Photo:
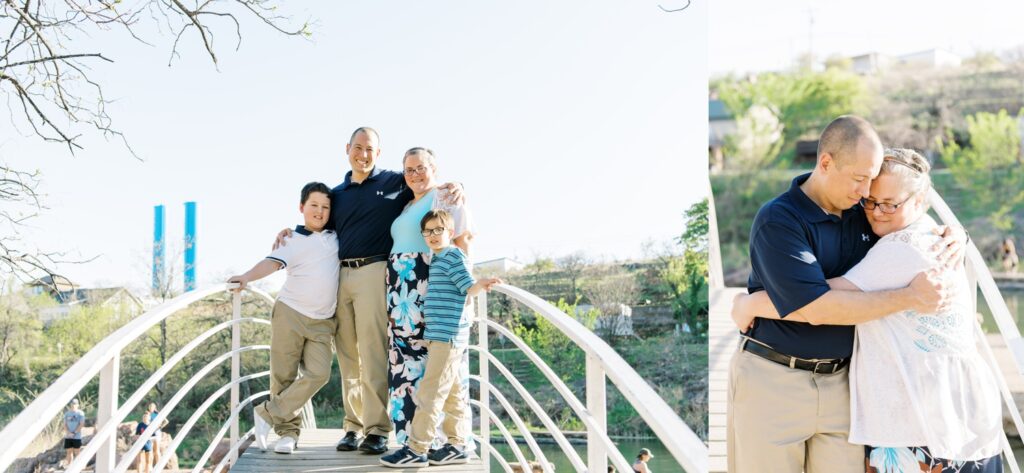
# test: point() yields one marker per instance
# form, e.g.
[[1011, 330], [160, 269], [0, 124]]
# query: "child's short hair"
[[441, 215], [314, 187]]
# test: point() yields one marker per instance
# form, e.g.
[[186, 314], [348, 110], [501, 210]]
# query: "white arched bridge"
[[316, 452], [723, 336]]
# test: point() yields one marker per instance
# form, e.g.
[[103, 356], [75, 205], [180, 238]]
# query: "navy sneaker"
[[404, 458], [448, 455]]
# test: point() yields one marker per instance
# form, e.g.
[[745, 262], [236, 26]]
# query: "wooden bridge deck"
[[316, 453], [722, 338]]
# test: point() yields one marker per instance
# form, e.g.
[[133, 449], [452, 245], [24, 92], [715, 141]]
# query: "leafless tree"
[[610, 286], [573, 266], [45, 81]]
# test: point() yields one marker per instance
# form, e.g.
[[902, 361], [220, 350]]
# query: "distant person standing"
[[1008, 255], [151, 414], [640, 466], [145, 458], [74, 420]]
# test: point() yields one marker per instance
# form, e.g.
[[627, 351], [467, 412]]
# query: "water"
[[663, 462], [1014, 301]]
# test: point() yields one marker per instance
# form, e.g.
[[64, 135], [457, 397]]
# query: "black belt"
[[357, 262], [827, 366]]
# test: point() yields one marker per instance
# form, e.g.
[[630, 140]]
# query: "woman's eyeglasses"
[[886, 208], [421, 170]]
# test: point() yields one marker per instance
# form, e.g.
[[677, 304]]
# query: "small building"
[[871, 63], [69, 295], [60, 288], [619, 325], [498, 266], [806, 153], [874, 63], [931, 58]]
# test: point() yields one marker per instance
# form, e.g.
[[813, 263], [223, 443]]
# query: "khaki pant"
[[362, 344], [440, 390], [295, 339], [783, 420]]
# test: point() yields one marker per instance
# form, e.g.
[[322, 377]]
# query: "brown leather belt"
[[826, 366], [357, 262]]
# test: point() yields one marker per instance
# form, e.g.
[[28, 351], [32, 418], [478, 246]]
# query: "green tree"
[[556, 349], [695, 236], [990, 166], [686, 276], [757, 140], [20, 329], [803, 101]]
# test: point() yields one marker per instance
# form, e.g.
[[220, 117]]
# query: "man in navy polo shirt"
[[788, 391], [363, 207]]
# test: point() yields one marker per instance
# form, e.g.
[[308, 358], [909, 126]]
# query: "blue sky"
[[770, 35], [573, 125]]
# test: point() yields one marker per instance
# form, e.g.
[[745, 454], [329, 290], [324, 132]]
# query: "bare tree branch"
[[46, 82], [54, 58]]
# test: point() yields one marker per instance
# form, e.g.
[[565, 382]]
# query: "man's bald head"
[[844, 136], [369, 132]]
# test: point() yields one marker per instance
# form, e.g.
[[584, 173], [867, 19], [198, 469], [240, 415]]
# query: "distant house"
[[498, 266], [68, 295], [59, 288], [931, 58], [873, 63]]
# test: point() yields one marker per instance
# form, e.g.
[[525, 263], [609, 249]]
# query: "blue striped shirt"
[[446, 297]]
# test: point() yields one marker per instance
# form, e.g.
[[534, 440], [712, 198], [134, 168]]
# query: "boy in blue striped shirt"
[[446, 334]]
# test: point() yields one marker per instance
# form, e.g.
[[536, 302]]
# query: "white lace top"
[[918, 379]]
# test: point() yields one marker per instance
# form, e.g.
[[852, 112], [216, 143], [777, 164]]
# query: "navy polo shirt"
[[361, 213], [795, 246]]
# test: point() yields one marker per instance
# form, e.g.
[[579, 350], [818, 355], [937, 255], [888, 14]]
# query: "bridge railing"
[[104, 360], [981, 278], [602, 364]]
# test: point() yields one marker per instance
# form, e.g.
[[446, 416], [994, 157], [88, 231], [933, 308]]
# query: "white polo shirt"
[[311, 261]]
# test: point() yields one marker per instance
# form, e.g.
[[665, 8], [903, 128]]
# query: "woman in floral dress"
[[408, 268], [921, 396]]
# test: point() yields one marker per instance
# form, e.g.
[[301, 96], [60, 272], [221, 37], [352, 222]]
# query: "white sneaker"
[[262, 430], [285, 445]]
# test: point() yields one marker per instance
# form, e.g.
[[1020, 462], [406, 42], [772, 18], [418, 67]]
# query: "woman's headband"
[[901, 163]]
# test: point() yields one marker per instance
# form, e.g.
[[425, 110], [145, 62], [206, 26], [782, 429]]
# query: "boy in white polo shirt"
[[303, 323]]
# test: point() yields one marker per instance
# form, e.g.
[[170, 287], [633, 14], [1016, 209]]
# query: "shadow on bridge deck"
[[316, 454]]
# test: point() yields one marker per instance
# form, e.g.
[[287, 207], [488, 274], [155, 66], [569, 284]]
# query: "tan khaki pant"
[[783, 420], [295, 339], [440, 390], [362, 345]]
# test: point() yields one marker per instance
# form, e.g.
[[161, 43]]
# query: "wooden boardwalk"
[[722, 338], [316, 454]]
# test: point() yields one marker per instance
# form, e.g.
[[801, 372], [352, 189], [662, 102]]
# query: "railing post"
[[110, 377], [597, 455], [308, 416], [236, 342], [485, 392]]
